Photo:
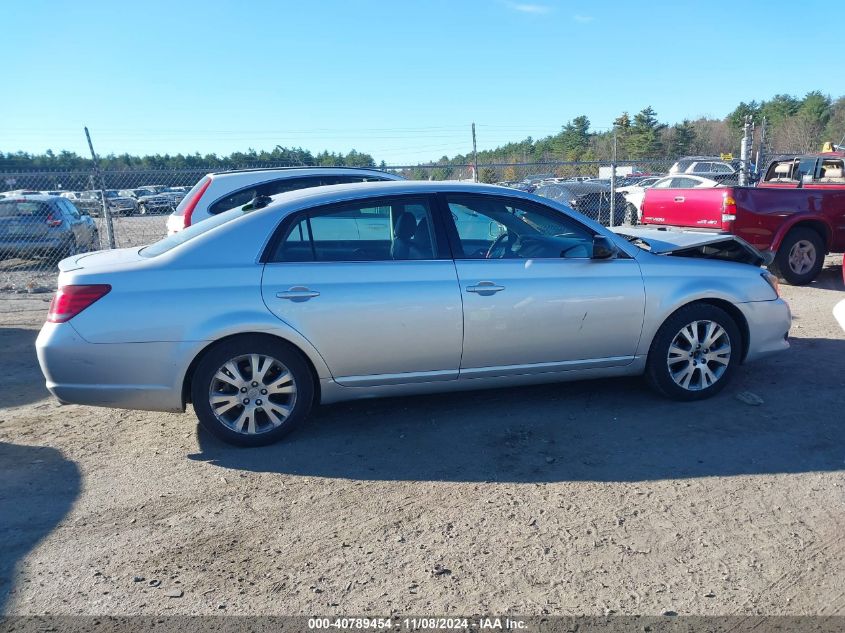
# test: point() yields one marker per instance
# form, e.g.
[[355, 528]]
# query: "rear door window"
[[383, 230], [71, 210]]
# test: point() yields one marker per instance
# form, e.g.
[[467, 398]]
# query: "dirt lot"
[[584, 498]]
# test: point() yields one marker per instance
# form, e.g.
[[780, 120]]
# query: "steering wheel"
[[571, 248], [497, 243]]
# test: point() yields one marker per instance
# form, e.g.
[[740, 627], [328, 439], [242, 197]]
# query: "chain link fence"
[[46, 216]]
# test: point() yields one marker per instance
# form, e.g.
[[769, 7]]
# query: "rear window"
[[23, 209], [172, 241], [180, 209]]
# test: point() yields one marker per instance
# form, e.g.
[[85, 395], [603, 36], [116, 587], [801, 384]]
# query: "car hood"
[[718, 246]]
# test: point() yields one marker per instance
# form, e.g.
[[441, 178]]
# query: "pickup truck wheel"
[[694, 353], [800, 257]]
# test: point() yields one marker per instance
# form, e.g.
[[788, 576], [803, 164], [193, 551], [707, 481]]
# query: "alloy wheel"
[[699, 355], [802, 257], [252, 394]]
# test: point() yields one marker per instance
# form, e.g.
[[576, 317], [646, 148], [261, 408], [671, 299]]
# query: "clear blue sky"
[[399, 80]]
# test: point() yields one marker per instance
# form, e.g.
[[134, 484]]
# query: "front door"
[[534, 299]]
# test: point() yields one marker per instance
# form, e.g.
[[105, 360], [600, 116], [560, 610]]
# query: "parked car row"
[[150, 199]]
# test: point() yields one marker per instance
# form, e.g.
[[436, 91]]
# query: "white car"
[[635, 194], [221, 191]]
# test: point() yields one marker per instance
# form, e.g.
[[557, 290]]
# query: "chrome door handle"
[[485, 288], [679, 198], [298, 293]]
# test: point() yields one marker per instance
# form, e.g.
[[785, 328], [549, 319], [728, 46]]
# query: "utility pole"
[[474, 154], [99, 177], [745, 150], [613, 179]]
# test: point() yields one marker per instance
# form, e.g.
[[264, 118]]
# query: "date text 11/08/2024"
[[417, 624]]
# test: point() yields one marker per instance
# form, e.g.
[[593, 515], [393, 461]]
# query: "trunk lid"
[[100, 259]]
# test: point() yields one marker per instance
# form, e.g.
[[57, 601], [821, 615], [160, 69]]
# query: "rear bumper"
[[24, 246], [768, 327], [146, 376]]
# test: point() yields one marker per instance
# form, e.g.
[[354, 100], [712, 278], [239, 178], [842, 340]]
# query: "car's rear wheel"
[[252, 390], [694, 353], [631, 216], [142, 209], [800, 257]]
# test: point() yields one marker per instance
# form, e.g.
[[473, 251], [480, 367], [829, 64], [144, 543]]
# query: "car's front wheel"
[[252, 390], [694, 353]]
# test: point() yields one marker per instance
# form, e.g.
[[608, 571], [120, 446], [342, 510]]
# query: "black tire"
[[658, 365], [631, 215], [218, 355], [142, 209], [812, 243]]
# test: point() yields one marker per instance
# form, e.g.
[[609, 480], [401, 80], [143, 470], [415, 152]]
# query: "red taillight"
[[192, 204], [53, 221], [71, 300], [728, 210]]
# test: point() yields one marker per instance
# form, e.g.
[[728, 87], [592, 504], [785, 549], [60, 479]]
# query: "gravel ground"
[[582, 498]]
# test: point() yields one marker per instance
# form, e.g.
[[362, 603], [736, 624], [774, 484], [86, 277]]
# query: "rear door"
[[372, 286]]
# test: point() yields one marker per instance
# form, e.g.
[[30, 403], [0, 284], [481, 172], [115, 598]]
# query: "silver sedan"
[[392, 288]]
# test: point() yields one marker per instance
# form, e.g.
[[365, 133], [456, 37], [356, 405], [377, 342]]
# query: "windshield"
[[172, 241], [111, 194]]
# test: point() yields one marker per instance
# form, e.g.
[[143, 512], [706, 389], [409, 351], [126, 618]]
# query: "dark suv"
[[44, 226]]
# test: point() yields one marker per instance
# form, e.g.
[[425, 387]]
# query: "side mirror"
[[603, 248]]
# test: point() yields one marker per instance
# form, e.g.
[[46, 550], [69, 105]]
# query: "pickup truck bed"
[[799, 226]]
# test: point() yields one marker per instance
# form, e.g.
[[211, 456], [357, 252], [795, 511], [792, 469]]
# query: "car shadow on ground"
[[830, 278], [23, 382], [38, 487], [602, 430]]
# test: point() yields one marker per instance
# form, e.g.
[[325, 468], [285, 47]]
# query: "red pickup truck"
[[796, 212]]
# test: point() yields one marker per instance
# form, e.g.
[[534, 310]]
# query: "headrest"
[[783, 168], [833, 172], [406, 224]]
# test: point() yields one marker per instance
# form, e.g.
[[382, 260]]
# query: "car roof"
[[40, 197], [316, 196], [302, 170]]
